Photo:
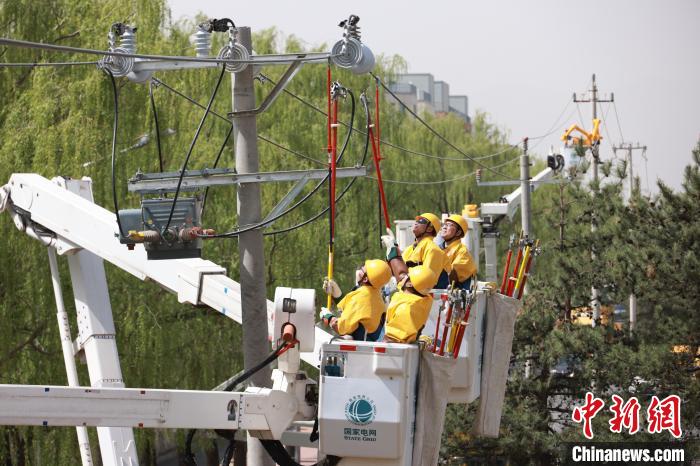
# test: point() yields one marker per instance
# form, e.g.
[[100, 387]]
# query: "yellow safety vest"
[[427, 253], [406, 315], [460, 260], [362, 306]]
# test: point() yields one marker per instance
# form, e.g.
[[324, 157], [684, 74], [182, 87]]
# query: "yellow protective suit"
[[426, 252], [460, 260], [406, 315], [362, 306]]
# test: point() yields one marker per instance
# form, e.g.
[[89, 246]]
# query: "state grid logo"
[[360, 410]]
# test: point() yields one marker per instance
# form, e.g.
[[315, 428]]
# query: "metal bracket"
[[156, 183], [279, 87], [286, 200]]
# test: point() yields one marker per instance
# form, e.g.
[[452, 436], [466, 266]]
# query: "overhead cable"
[[157, 127], [234, 233], [384, 141], [46, 64], [221, 117], [458, 178], [617, 117], [438, 135], [278, 58], [192, 144], [342, 193], [115, 126]]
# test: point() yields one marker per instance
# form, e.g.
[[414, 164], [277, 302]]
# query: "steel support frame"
[[155, 183], [262, 410], [97, 337]]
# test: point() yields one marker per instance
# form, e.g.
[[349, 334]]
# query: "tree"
[[649, 247]]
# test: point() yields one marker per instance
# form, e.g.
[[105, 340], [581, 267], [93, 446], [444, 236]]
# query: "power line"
[[438, 135], [305, 102], [291, 151], [221, 117], [46, 64], [459, 178], [278, 58], [618, 121], [552, 128]]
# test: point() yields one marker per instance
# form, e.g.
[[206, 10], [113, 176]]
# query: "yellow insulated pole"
[[521, 272]]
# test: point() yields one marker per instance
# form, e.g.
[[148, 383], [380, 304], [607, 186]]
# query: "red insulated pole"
[[506, 270]]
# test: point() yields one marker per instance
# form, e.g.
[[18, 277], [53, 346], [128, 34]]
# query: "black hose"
[[245, 375], [189, 456], [155, 119], [115, 126], [281, 456], [234, 233], [228, 454], [194, 141]]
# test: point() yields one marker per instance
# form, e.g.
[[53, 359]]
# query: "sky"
[[521, 61]]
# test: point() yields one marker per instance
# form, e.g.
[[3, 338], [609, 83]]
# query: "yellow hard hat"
[[459, 220], [378, 272], [433, 219], [422, 278]]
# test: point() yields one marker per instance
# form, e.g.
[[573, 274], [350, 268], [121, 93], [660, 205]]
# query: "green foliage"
[[58, 121], [644, 246]]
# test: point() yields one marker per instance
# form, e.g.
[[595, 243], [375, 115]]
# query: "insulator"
[[346, 53], [366, 64], [352, 31], [119, 66], [202, 43], [151, 236], [234, 51], [190, 233], [128, 40]]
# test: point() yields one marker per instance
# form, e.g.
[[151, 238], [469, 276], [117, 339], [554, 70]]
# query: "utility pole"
[[250, 243], [525, 209], [594, 99], [629, 148]]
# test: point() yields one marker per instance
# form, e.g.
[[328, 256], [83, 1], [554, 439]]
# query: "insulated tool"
[[443, 299], [463, 325], [521, 271], [333, 95], [377, 157], [506, 269], [519, 258], [535, 252]]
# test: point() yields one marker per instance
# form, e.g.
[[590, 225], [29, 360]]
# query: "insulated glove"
[[331, 287], [325, 315]]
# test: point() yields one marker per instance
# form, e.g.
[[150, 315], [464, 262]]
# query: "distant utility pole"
[[525, 209], [592, 96], [250, 243], [629, 147]]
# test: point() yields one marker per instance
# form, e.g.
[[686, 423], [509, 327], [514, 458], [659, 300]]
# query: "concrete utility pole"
[[629, 148], [594, 99], [525, 209], [250, 244]]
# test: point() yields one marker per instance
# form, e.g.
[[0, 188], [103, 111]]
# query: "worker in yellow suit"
[[409, 307], [423, 251], [461, 265], [362, 310]]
